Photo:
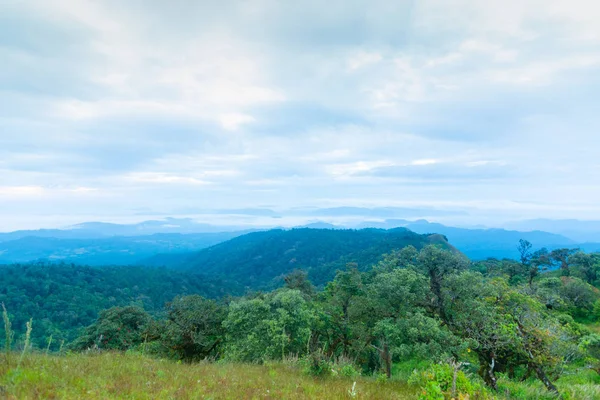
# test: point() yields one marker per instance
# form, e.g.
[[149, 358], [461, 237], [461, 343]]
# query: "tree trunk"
[[492, 381], [542, 377], [534, 365], [436, 288], [486, 371], [530, 281], [564, 266], [511, 371], [387, 359], [455, 368]]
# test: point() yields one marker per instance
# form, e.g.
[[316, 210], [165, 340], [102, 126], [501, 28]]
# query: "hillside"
[[171, 241], [261, 259], [63, 298]]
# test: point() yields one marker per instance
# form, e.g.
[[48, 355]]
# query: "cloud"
[[163, 106], [443, 173]]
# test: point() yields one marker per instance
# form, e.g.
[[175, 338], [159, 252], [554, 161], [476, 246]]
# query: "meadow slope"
[[134, 376]]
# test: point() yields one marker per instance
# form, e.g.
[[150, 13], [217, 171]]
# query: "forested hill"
[[62, 298], [261, 259]]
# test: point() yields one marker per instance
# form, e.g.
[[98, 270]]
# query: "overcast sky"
[[123, 109]]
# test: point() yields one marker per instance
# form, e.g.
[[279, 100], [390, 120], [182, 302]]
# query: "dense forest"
[[260, 260], [63, 298], [473, 328]]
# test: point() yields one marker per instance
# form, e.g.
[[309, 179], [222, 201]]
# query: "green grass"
[[133, 376]]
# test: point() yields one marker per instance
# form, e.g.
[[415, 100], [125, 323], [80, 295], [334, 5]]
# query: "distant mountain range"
[[579, 231], [97, 230], [116, 250], [485, 243], [169, 241]]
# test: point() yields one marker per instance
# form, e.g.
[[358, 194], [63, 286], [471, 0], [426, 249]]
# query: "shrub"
[[316, 365], [591, 345], [348, 371], [431, 391], [436, 383]]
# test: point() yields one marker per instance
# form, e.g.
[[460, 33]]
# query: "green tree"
[[342, 303], [562, 258], [118, 328], [586, 265], [392, 297], [539, 261], [472, 314], [298, 279], [525, 253], [193, 329], [437, 264], [268, 327]]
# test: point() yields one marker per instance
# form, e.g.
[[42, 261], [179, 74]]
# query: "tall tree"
[[193, 330], [437, 264], [524, 249], [587, 265], [561, 257]]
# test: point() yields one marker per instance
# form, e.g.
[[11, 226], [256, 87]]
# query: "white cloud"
[[164, 178], [232, 122], [21, 191], [425, 161], [264, 102]]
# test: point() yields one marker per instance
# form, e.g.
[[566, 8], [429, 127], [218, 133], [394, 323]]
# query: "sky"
[[119, 110]]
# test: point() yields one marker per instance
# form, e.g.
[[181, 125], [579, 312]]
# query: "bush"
[[432, 391], [316, 365], [436, 383], [348, 371]]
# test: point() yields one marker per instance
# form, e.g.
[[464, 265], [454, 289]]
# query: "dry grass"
[[133, 376]]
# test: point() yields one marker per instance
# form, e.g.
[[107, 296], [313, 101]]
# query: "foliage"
[[193, 329], [118, 328], [260, 260], [440, 380], [268, 327], [64, 298], [591, 345], [426, 307]]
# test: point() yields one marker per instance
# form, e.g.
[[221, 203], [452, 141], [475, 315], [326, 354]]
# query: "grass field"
[[133, 376]]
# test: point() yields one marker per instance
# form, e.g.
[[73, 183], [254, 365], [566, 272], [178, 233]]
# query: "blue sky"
[[115, 110]]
